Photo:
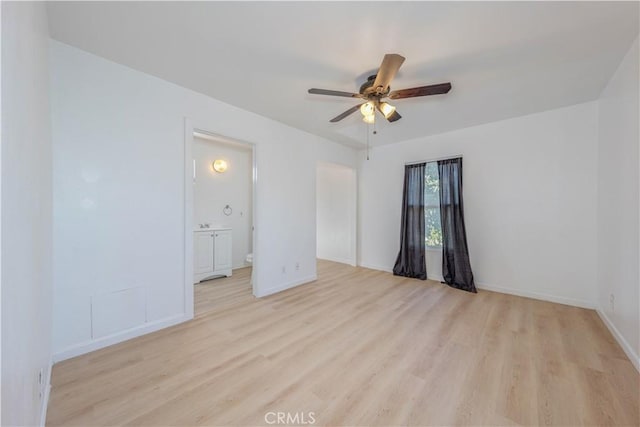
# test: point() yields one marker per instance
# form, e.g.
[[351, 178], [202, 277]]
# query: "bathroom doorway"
[[220, 206]]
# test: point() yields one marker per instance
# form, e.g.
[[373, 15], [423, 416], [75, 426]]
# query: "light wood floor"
[[357, 347]]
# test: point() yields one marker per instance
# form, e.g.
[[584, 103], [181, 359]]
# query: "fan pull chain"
[[375, 132], [368, 144]]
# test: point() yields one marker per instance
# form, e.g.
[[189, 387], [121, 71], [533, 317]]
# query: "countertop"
[[197, 230]]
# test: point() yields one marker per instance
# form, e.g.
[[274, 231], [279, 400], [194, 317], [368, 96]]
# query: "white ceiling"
[[504, 59]]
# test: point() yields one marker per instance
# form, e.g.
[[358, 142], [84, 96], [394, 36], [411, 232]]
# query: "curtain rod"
[[434, 160]]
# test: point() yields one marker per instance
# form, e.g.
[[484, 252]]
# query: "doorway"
[[336, 210], [219, 217]]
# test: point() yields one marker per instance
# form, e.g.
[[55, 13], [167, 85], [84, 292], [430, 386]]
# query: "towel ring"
[[227, 210]]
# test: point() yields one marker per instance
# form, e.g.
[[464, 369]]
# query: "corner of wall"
[[26, 214], [628, 350], [46, 395], [617, 137]]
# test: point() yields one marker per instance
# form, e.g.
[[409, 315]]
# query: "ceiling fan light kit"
[[377, 88], [369, 119], [367, 108], [387, 109], [368, 111]]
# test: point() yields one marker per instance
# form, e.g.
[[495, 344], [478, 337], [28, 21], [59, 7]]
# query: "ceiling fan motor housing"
[[371, 92]]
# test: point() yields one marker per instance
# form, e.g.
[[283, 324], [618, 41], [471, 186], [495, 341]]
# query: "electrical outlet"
[[612, 301], [284, 269], [297, 266]]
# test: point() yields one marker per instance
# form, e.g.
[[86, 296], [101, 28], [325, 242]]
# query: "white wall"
[[618, 204], [336, 203], [119, 171], [26, 213], [212, 191], [530, 202]]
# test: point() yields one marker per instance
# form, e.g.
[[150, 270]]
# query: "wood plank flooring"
[[357, 347]]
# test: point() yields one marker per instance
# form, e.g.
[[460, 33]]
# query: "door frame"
[[352, 210], [189, 174]]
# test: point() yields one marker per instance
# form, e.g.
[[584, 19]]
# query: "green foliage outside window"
[[433, 230]]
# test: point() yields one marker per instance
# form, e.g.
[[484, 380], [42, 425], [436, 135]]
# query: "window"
[[433, 231]]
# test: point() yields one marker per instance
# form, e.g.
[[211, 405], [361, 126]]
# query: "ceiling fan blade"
[[334, 93], [438, 89], [388, 69], [345, 114]]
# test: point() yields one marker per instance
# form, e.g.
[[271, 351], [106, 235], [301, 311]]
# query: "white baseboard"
[[631, 354], [285, 286], [517, 292], [92, 345], [47, 393], [387, 270], [376, 267], [537, 295], [340, 260]]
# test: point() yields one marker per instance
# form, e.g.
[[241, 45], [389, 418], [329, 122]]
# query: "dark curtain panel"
[[456, 268], [410, 261]]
